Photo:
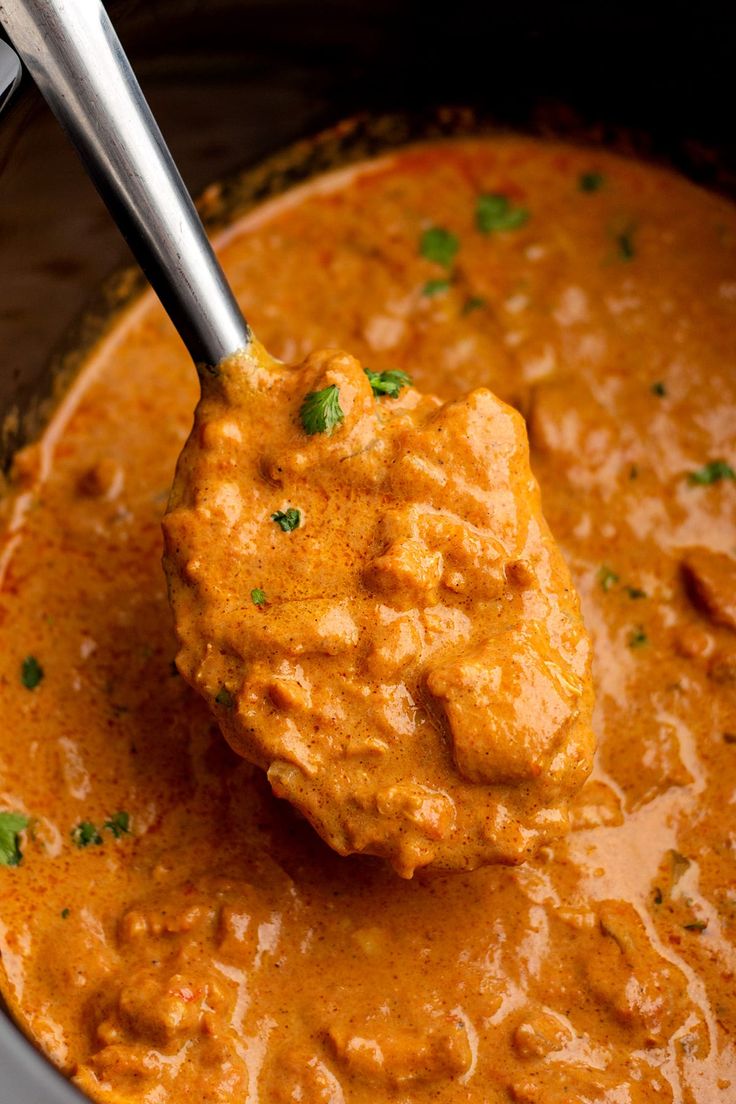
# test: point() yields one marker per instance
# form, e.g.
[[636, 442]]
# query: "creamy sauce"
[[210, 946], [412, 668]]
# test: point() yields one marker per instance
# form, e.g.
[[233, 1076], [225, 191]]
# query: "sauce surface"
[[172, 930]]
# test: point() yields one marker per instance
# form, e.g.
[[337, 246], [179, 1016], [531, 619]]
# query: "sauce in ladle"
[[368, 597]]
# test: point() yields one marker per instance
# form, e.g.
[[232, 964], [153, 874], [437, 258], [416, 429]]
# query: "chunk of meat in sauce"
[[408, 662], [710, 579]]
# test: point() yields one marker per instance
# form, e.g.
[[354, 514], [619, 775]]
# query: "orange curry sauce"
[[172, 932]]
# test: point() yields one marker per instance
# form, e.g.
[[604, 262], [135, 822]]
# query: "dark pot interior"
[[231, 82]]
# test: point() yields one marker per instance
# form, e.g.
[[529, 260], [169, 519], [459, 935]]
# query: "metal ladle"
[[75, 57], [10, 72]]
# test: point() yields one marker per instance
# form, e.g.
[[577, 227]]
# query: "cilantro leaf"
[[635, 592], [258, 597], [388, 383], [473, 303], [11, 825], [712, 472], [31, 672], [65, 912], [288, 519], [496, 212], [658, 389], [637, 638], [118, 824], [439, 245], [607, 577], [85, 833], [591, 181], [321, 411], [224, 698], [625, 242], [435, 287]]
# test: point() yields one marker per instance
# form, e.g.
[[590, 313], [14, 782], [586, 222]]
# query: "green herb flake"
[[679, 865], [31, 672], [85, 834], [658, 389], [65, 913], [435, 287], [388, 383], [607, 577], [495, 213], [287, 520], [258, 597], [224, 698], [696, 926], [635, 593], [713, 472], [118, 824], [439, 245], [658, 896], [11, 826], [625, 242], [591, 181], [474, 303], [637, 638], [321, 411]]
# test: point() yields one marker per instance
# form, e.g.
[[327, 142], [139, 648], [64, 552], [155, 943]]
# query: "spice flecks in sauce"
[[221, 951]]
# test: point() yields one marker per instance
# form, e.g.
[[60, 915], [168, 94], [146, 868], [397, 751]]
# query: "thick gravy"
[[171, 932]]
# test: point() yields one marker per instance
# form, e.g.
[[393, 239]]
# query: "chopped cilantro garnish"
[[496, 212], [591, 181], [118, 824], [31, 672], [637, 637], [712, 472], [85, 833], [696, 926], [439, 245], [435, 287], [11, 825], [65, 913], [679, 865], [625, 242], [258, 596], [321, 411], [607, 577], [658, 389], [224, 698], [473, 303], [288, 519], [658, 896], [388, 383]]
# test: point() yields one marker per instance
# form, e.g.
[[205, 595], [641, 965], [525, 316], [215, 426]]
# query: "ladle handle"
[[9, 73], [75, 58]]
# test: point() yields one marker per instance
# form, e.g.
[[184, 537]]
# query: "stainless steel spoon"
[[9, 73], [75, 57]]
